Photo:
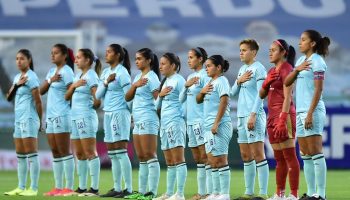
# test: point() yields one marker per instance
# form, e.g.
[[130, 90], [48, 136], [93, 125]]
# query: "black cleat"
[[123, 194], [304, 197], [111, 193]]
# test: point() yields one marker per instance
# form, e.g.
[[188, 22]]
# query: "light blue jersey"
[[248, 92], [305, 86], [221, 87], [194, 111], [56, 104], [114, 94], [171, 107], [82, 99], [143, 108], [24, 102]]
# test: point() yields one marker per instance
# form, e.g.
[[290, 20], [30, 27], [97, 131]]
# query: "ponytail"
[[291, 55], [98, 66], [148, 54], [126, 60], [70, 59], [29, 56], [322, 43]]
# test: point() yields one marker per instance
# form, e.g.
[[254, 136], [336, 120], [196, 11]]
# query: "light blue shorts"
[[217, 144], [85, 127], [26, 129], [196, 134], [61, 124], [173, 135], [146, 127], [256, 135], [318, 117], [117, 126]]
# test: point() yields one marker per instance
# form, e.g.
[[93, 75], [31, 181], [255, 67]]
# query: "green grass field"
[[338, 187]]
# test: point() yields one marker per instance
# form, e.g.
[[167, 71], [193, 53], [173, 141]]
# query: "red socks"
[[294, 169], [281, 172]]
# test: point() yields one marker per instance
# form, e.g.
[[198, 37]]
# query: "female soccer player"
[[28, 112], [84, 120], [144, 92], [281, 119], [58, 123], [310, 108], [194, 118], [172, 126], [251, 119], [217, 125], [115, 83]]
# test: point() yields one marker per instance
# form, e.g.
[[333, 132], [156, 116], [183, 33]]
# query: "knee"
[[148, 155], [203, 158], [56, 153], [246, 156], [80, 156]]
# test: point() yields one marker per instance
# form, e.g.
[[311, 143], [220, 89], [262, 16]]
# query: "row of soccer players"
[[157, 108]]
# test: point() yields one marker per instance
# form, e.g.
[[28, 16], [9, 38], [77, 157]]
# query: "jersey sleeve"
[[153, 83], [260, 73], [180, 84], [285, 70], [92, 81], [33, 82], [67, 76], [223, 88], [125, 80], [318, 64]]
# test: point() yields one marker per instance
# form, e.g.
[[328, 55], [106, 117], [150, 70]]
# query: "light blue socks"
[[34, 168], [263, 174], [94, 166], [181, 175], [249, 177], [82, 170], [309, 172], [201, 179], [22, 170], [153, 175], [68, 166], [320, 173]]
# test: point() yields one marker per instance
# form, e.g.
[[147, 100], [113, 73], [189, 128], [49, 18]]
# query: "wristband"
[[105, 83], [49, 81]]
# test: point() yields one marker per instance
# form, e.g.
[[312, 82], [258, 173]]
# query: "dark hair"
[[87, 53], [68, 53], [124, 55], [290, 51], [173, 59], [148, 54], [253, 45], [29, 56], [219, 60], [322, 43], [200, 53]]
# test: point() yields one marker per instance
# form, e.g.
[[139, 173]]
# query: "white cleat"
[[162, 197], [222, 197], [176, 197], [291, 197], [276, 197]]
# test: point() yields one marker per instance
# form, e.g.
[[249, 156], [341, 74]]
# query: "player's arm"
[[318, 81], [97, 102], [12, 92], [294, 74], [287, 92], [37, 102]]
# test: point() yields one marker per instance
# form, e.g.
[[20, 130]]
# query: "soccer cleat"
[[176, 197], [111, 193], [316, 197], [147, 196], [198, 197], [14, 192], [65, 192], [75, 193], [291, 197], [304, 197], [260, 197], [29, 193], [276, 197], [90, 193], [123, 194], [162, 197], [244, 197], [133, 195], [53, 192], [223, 197], [212, 196]]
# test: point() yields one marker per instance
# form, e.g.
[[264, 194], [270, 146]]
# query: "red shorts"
[[291, 124]]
